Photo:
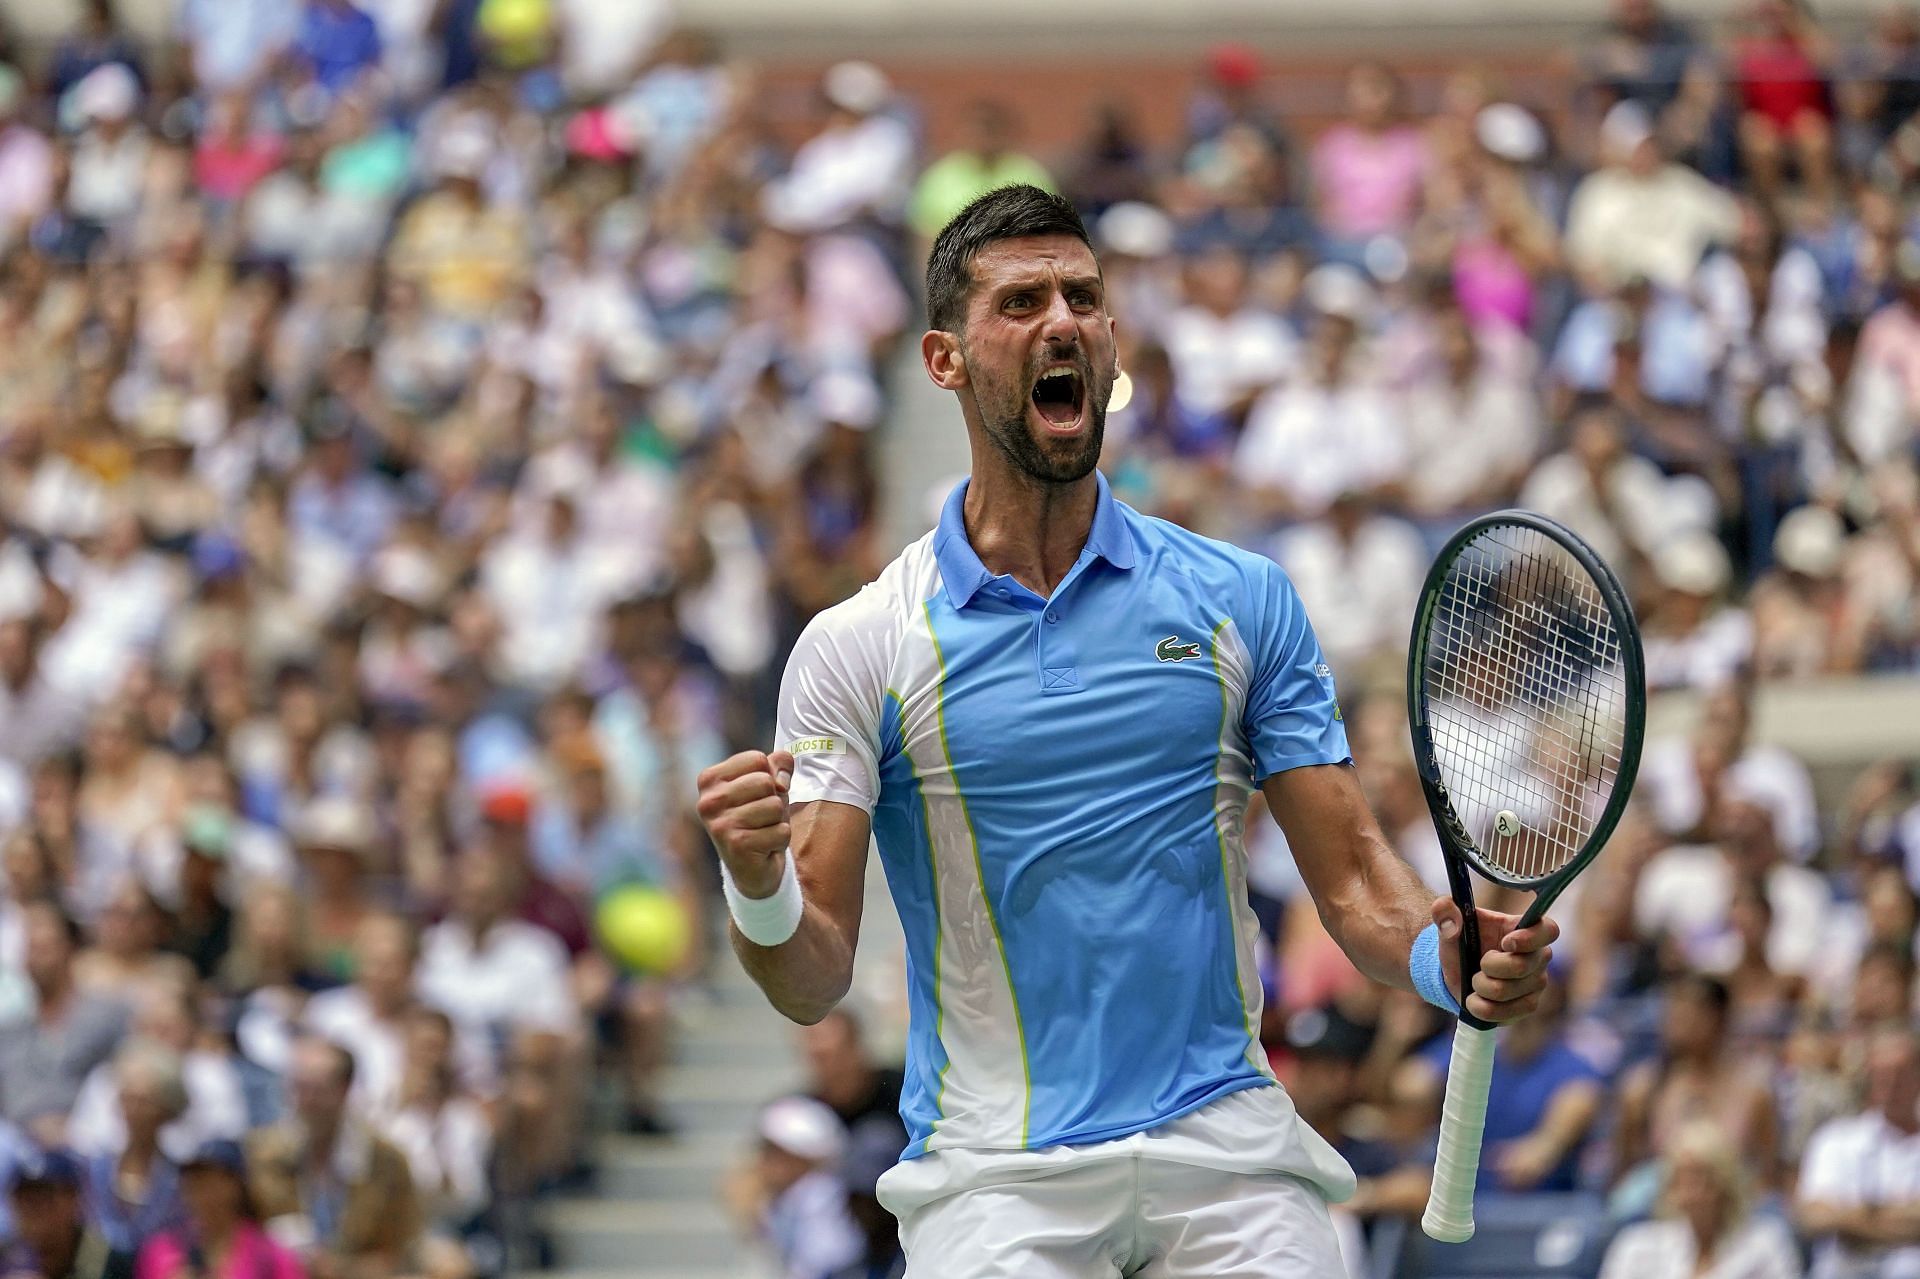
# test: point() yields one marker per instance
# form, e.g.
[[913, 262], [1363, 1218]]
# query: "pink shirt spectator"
[[1492, 286], [227, 169], [1369, 183], [253, 1256]]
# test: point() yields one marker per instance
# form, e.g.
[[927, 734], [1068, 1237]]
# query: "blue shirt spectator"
[[340, 42], [1672, 338], [1540, 1108], [234, 40]]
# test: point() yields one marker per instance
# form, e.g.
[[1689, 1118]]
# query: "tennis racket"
[[1527, 698]]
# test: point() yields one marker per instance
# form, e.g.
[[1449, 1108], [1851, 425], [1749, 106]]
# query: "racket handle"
[[1463, 1120]]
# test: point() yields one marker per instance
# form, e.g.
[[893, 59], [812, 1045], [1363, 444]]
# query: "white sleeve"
[[1829, 1171], [830, 706]]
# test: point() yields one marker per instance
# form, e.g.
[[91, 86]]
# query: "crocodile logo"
[[1175, 649]]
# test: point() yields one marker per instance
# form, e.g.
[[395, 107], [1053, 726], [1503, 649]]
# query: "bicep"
[[830, 842]]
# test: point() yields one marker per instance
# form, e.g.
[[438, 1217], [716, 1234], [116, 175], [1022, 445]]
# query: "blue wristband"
[[1429, 978]]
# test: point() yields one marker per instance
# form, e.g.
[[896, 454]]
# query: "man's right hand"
[[743, 803]]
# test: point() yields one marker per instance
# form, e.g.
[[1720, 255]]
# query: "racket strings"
[[1527, 699]]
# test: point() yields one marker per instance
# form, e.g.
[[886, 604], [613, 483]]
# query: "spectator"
[[1697, 1076], [96, 42], [856, 167], [1224, 349], [46, 1053], [110, 159], [221, 1237], [133, 1185], [26, 161], [1287, 458], [987, 158], [1474, 426], [324, 1182], [1782, 71], [1359, 573], [1692, 638], [870, 1154], [1369, 169], [53, 1238], [447, 1139], [491, 973], [843, 1072], [1543, 1104], [164, 1047], [1707, 1225], [1640, 215], [1643, 56], [337, 44], [1858, 1174], [334, 838], [793, 1194]]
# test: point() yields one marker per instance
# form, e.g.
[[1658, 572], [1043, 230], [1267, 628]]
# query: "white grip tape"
[[1463, 1121]]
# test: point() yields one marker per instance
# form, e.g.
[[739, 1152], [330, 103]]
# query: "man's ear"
[[946, 362]]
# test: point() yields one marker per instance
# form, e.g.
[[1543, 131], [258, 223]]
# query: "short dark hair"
[[1004, 213]]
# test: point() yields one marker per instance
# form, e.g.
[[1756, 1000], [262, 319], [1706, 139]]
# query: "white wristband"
[[766, 921]]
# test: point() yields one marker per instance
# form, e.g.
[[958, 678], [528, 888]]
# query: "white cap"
[[805, 1128], [859, 87], [108, 92], [1810, 541], [1337, 289], [846, 397], [407, 574], [333, 821], [1510, 132], [1136, 230], [463, 149], [1625, 127], [1695, 563]]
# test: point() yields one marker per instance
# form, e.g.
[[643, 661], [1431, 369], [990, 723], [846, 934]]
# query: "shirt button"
[[1052, 616]]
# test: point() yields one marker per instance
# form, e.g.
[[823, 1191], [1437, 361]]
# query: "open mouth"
[[1058, 396]]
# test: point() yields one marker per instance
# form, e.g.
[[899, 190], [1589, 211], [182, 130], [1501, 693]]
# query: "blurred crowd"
[[424, 424]]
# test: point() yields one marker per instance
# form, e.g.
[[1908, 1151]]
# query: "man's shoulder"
[[1167, 546], [888, 604], [1846, 1137]]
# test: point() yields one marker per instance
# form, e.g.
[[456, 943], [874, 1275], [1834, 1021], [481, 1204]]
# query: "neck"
[[1028, 528], [218, 1234]]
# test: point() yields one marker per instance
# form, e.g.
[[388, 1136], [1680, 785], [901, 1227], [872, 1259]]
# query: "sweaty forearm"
[[806, 975]]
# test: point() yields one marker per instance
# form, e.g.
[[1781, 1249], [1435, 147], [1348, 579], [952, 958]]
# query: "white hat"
[[1625, 127], [108, 92], [407, 574], [1810, 541], [846, 397], [1135, 230], [805, 1128], [463, 150], [333, 821], [1694, 563], [859, 87], [1337, 289], [1510, 132]]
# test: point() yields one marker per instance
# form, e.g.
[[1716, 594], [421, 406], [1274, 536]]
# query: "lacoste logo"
[[1175, 649]]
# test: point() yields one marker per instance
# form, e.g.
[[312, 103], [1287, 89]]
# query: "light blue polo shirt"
[[1058, 787]]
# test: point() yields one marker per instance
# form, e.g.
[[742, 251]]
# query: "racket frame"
[[1449, 1213]]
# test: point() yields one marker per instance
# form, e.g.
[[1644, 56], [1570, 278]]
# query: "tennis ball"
[[1507, 823], [644, 929]]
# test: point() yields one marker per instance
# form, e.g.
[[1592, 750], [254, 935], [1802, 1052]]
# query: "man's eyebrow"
[[1042, 281]]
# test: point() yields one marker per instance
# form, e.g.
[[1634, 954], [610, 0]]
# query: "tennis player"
[[1050, 714]]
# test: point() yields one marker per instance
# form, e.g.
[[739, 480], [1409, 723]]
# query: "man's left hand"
[[1513, 961]]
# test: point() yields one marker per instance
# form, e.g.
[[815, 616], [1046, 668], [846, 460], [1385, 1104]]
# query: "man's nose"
[[1060, 326]]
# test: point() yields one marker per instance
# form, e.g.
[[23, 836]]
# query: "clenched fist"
[[743, 803]]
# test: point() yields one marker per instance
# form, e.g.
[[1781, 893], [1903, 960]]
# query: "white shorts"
[[1169, 1203]]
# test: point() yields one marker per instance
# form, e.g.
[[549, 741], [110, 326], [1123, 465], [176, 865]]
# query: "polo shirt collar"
[[962, 572]]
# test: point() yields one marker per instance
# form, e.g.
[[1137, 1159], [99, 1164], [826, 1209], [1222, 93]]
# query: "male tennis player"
[[1050, 712]]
